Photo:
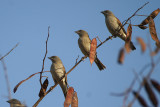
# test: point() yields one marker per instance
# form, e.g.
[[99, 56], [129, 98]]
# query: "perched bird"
[[58, 71], [84, 43], [115, 26], [15, 103]]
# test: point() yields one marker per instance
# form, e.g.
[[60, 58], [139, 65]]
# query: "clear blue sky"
[[27, 21]]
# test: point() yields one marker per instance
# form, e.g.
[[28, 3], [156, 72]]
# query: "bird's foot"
[[83, 58]]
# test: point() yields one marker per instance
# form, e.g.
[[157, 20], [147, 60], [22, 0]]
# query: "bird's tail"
[[132, 46], [64, 87], [99, 64]]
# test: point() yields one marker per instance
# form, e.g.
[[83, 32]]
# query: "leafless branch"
[[99, 39], [135, 13], [77, 59], [9, 51], [16, 87], [7, 80], [44, 58], [141, 15], [110, 37]]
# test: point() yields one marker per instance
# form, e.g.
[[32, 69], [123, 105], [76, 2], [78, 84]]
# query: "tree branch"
[[9, 51], [44, 58], [7, 80]]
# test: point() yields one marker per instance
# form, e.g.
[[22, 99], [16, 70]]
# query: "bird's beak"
[[77, 32], [8, 101], [49, 57], [102, 12]]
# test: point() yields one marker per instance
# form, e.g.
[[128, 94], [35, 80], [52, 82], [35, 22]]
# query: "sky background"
[[27, 21]]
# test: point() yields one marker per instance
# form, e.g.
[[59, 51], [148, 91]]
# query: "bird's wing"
[[64, 71], [84, 45], [120, 24]]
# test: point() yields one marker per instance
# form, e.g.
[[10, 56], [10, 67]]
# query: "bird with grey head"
[[84, 43], [58, 72], [15, 103], [115, 27]]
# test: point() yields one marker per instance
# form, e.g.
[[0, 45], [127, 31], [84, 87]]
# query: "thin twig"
[[110, 37], [130, 88], [144, 67], [7, 79], [9, 51], [99, 39], [77, 59], [134, 13], [16, 87], [141, 15], [44, 58]]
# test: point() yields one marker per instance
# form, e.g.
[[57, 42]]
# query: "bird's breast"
[[112, 24], [57, 71], [84, 45]]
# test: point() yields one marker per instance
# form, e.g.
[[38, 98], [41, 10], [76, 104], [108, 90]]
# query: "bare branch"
[[9, 51], [44, 58], [16, 87], [77, 59], [141, 15], [134, 13], [7, 80], [99, 39], [110, 37]]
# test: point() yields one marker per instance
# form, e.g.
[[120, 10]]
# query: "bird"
[[84, 43], [15, 103], [115, 27], [58, 71]]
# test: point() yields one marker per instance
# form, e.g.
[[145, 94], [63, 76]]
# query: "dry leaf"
[[69, 97], [121, 56], [152, 15], [128, 38], [152, 30], [127, 47], [129, 32], [150, 93], [142, 44], [140, 99], [93, 50], [142, 27], [43, 88], [74, 100], [155, 13], [156, 85]]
